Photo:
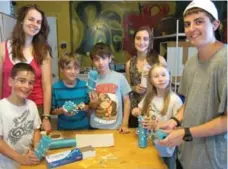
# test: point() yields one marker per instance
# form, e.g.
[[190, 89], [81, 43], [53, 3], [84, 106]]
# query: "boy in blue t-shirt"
[[110, 100], [70, 88]]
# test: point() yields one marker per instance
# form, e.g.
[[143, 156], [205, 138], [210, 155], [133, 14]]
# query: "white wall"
[[52, 40], [5, 7], [7, 24]]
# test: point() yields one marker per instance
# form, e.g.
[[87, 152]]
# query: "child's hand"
[[93, 99], [85, 108], [174, 138], [68, 114], [68, 106], [169, 125], [139, 89], [62, 110], [148, 123], [136, 112], [29, 159], [81, 106], [124, 129]]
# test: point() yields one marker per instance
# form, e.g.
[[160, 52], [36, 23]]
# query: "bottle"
[[142, 134], [92, 77], [144, 76]]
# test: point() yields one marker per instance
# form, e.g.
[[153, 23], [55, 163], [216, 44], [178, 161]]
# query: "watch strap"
[[187, 134], [176, 120]]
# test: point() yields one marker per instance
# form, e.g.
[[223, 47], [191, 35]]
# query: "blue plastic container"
[[142, 134]]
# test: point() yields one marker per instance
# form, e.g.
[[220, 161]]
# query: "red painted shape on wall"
[[132, 22]]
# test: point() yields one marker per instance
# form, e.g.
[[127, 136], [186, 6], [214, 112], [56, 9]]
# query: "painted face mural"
[[113, 23], [99, 26]]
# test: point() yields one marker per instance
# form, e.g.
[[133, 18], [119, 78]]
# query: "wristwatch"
[[187, 135]]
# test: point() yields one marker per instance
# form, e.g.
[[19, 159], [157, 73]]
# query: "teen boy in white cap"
[[204, 84]]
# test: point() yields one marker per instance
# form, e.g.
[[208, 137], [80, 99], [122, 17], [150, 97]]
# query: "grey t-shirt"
[[111, 89], [204, 85]]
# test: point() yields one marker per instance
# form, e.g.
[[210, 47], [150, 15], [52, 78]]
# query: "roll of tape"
[[56, 136]]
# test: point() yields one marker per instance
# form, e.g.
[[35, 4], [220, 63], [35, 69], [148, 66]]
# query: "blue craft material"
[[62, 143], [66, 157], [92, 77], [69, 106], [142, 136], [160, 134], [42, 147], [164, 151]]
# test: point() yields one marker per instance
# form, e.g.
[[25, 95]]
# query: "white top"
[[17, 125], [156, 106]]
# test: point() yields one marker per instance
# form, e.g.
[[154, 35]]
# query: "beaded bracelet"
[[176, 120]]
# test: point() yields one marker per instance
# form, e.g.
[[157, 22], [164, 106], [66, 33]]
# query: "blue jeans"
[[171, 161]]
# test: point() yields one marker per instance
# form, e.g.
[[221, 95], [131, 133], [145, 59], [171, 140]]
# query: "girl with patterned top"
[[159, 105], [134, 67]]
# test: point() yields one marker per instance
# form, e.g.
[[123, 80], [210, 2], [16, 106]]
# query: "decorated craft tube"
[[160, 134], [142, 136], [69, 106], [92, 77], [43, 147], [62, 143]]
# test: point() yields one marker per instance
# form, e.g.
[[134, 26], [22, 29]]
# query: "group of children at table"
[[107, 107]]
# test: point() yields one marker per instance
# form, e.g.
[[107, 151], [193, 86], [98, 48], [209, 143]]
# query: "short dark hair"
[[100, 49], [69, 57], [21, 67]]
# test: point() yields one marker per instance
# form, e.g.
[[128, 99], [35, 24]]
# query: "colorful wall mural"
[[113, 23], [116, 22]]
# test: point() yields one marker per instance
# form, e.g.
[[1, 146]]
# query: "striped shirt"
[[76, 94]]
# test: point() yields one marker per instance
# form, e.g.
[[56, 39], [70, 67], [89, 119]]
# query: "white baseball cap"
[[206, 5]]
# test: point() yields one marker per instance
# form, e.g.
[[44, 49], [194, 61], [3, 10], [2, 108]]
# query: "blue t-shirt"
[[76, 94], [109, 113]]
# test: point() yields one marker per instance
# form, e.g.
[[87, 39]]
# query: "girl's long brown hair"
[[152, 92], [39, 42], [152, 55]]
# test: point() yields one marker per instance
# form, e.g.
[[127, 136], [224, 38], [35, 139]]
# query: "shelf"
[[175, 54], [170, 36]]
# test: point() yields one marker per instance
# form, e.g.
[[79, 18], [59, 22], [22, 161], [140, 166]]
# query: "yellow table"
[[124, 155]]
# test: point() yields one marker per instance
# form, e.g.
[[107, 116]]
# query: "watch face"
[[188, 138]]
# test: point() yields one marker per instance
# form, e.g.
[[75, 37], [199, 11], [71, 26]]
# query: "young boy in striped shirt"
[[72, 89]]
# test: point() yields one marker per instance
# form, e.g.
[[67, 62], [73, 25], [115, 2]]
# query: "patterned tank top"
[[135, 79]]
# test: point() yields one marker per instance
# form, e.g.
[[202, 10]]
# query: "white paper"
[[94, 140], [87, 152]]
